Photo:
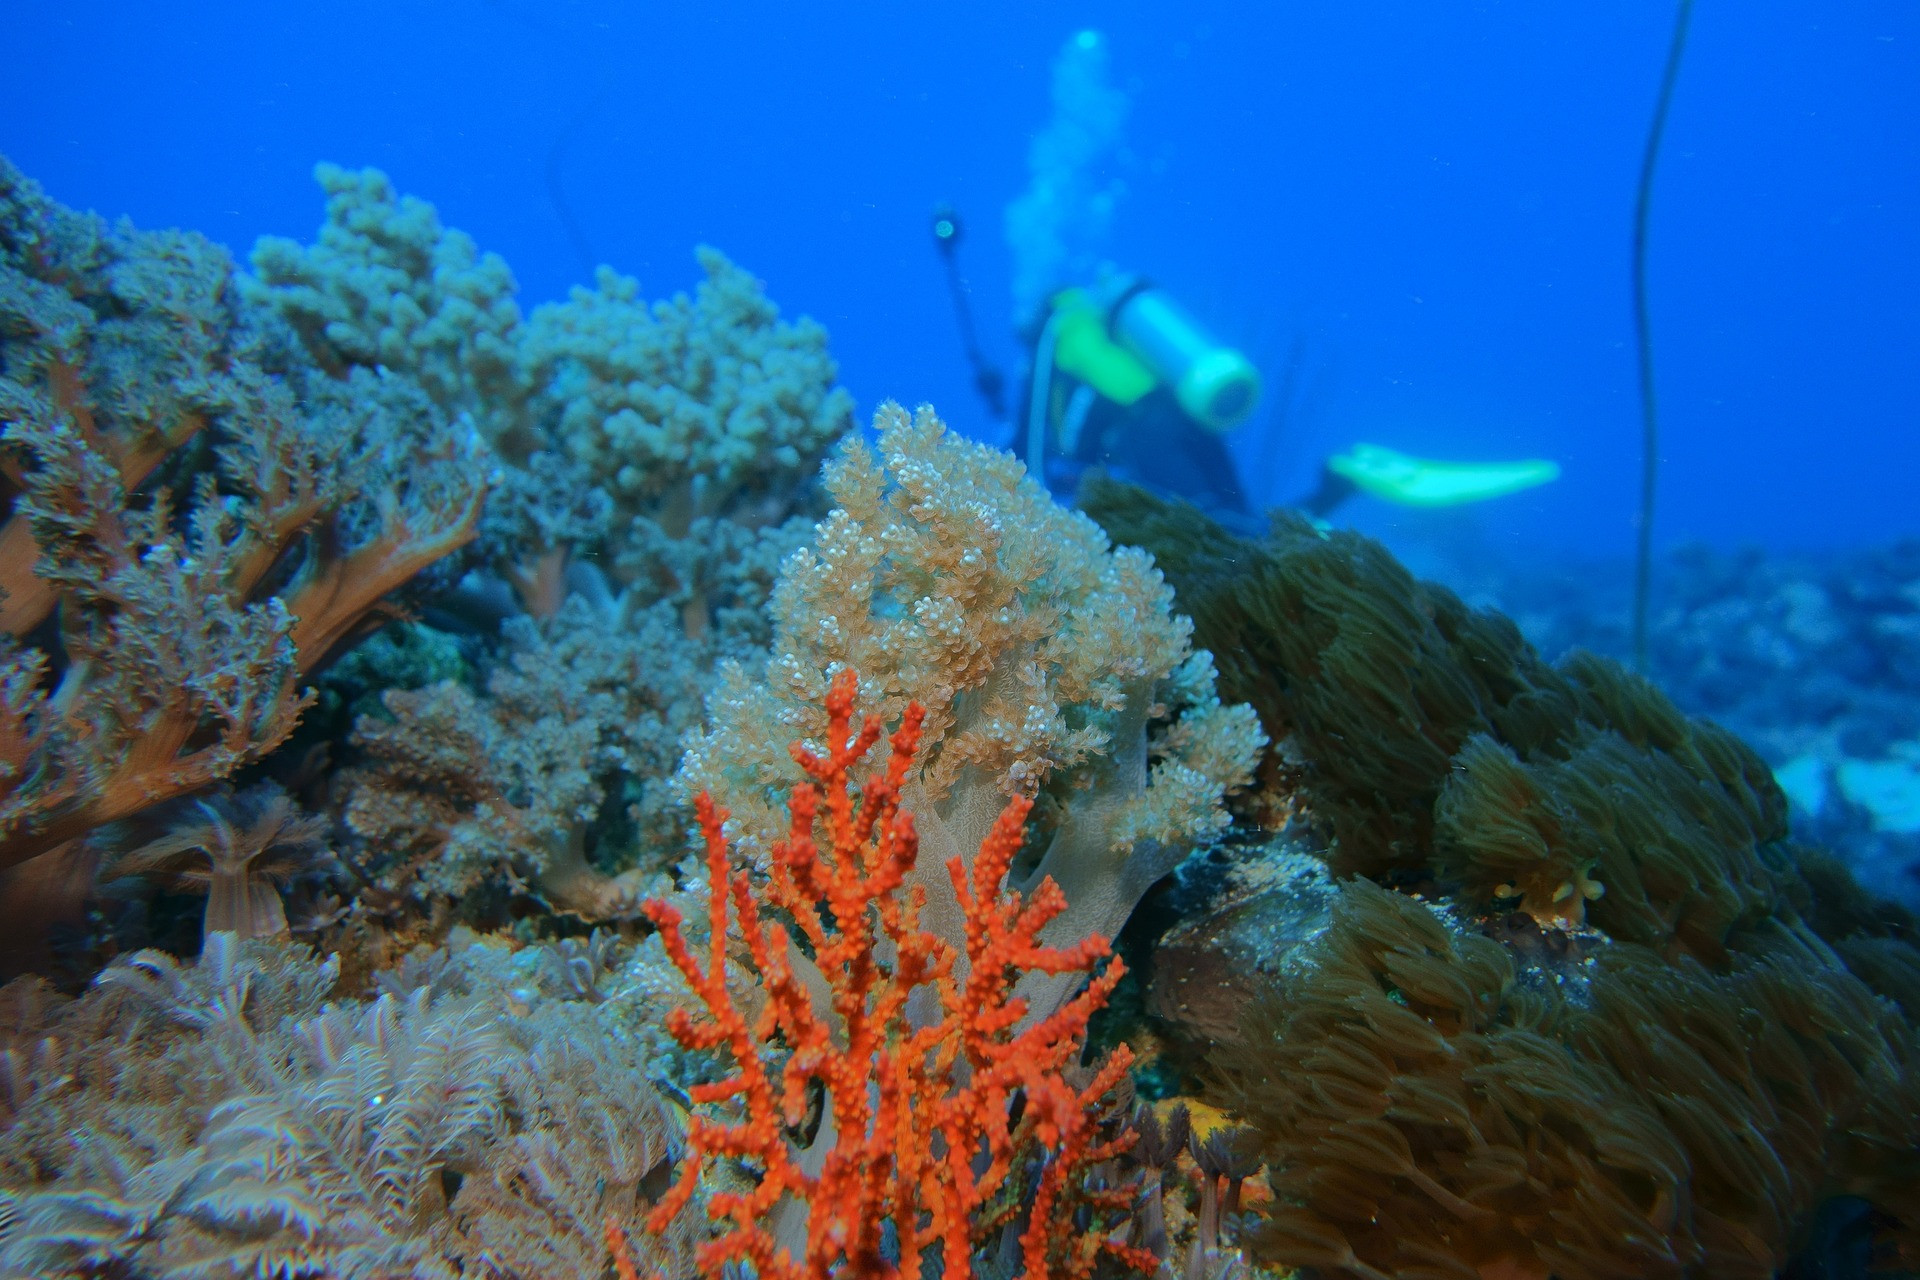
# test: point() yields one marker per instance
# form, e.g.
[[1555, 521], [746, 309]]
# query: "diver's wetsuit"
[[1153, 443]]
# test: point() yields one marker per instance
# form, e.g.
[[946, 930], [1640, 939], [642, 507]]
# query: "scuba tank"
[[1216, 385], [1126, 337]]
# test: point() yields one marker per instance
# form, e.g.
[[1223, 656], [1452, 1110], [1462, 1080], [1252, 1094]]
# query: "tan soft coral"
[[1049, 664]]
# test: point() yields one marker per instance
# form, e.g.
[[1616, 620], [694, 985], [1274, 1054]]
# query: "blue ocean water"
[[1415, 218]]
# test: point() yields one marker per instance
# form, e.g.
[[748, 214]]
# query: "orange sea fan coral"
[[938, 1090]]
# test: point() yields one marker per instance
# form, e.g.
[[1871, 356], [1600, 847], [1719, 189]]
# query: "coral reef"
[[704, 421], [1260, 910], [656, 463], [1499, 968], [386, 286], [580, 727], [679, 409], [249, 843], [1423, 1114], [333, 426], [656, 438], [1570, 793], [692, 406]]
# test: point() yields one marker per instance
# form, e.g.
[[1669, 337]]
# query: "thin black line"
[[1643, 333]]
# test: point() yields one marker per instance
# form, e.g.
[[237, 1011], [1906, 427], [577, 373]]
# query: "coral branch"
[[26, 598]]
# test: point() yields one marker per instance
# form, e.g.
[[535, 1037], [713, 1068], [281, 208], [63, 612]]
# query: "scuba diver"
[[1124, 379]]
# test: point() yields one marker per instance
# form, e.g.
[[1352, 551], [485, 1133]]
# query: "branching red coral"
[[935, 1088]]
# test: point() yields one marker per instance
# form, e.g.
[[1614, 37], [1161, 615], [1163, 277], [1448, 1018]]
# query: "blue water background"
[[1421, 210]]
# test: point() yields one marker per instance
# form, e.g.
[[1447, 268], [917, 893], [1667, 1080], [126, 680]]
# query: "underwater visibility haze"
[[1208, 641]]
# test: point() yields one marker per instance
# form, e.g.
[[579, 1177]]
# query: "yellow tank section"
[[1082, 348]]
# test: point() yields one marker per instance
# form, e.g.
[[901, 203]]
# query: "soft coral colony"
[[502, 794]]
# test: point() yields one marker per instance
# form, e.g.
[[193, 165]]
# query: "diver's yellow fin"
[[1422, 482]]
